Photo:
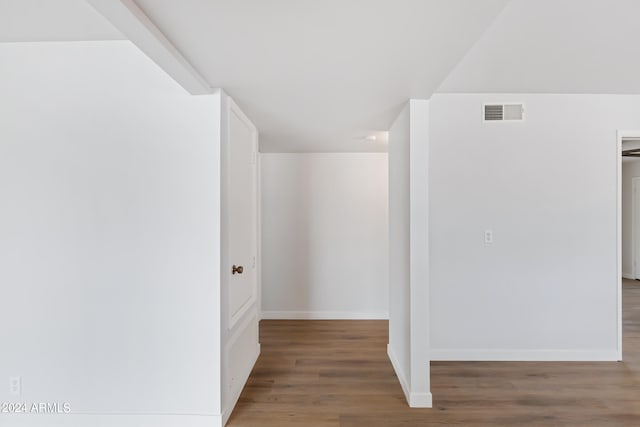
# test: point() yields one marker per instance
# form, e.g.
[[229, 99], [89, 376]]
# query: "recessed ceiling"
[[322, 75], [555, 46], [52, 20]]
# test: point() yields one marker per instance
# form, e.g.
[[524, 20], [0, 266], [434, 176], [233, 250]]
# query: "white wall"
[[419, 247], [399, 249], [409, 251], [546, 289], [324, 235], [630, 170], [109, 248]]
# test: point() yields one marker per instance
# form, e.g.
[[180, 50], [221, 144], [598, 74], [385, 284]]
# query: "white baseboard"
[[89, 420], [628, 276], [498, 355], [420, 400], [415, 400], [322, 315]]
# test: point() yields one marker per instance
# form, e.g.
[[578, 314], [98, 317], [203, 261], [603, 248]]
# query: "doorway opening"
[[628, 160]]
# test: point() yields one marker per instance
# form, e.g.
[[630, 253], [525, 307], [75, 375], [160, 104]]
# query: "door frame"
[[621, 134]]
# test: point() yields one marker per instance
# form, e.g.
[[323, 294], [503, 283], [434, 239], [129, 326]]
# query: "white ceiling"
[[313, 75], [321, 75], [555, 46], [52, 20]]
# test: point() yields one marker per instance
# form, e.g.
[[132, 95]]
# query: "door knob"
[[237, 269]]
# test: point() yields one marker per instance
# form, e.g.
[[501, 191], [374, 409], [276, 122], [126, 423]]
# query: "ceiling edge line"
[[473, 45], [134, 24]]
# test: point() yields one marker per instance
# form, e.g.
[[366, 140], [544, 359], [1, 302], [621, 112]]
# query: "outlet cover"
[[15, 386]]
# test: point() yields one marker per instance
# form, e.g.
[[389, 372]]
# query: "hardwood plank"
[[336, 373]]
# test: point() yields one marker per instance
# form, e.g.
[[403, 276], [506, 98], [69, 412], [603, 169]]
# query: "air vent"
[[503, 112]]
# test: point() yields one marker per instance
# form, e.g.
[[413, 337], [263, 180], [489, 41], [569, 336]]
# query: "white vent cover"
[[503, 112]]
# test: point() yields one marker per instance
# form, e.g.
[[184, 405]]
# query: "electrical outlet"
[[488, 236], [15, 386]]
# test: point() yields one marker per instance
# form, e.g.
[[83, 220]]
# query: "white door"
[[243, 217], [239, 293]]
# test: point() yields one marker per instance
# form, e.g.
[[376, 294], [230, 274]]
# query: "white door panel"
[[242, 218], [239, 326]]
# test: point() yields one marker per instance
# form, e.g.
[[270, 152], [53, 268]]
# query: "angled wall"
[[568, 56]]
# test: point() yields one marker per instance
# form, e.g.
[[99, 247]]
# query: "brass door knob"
[[237, 269]]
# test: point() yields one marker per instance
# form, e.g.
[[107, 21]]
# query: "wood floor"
[[336, 373]]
